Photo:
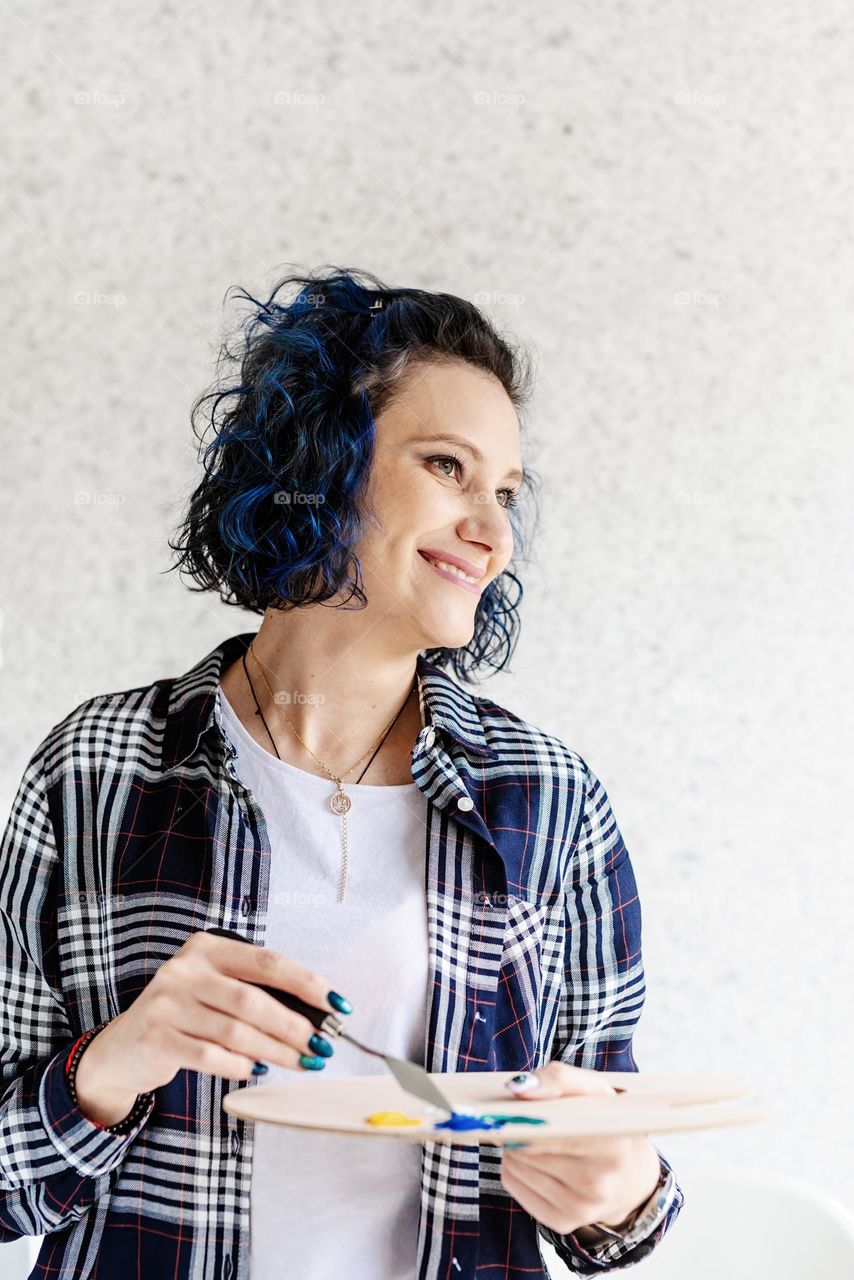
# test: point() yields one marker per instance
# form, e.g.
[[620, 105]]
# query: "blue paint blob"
[[458, 1121], [462, 1122]]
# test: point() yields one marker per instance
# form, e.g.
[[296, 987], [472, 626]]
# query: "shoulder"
[[537, 758], [518, 741], [556, 791], [506, 732], [106, 729]]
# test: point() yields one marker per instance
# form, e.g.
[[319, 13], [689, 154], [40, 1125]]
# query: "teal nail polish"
[[339, 1003], [515, 1146], [319, 1044], [260, 1069], [311, 1064]]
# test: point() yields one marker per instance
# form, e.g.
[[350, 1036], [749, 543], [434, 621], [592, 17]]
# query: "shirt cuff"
[[589, 1258], [85, 1146]]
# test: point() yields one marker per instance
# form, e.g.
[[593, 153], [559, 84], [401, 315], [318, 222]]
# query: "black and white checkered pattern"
[[131, 830]]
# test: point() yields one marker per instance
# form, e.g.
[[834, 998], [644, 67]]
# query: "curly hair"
[[274, 521]]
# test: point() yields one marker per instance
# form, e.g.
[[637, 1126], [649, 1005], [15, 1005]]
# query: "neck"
[[339, 687]]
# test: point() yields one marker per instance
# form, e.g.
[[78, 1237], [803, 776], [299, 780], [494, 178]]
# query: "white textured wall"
[[657, 197]]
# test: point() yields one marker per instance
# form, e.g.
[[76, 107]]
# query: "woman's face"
[[432, 508]]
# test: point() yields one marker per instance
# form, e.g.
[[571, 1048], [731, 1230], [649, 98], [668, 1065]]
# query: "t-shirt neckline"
[[282, 766]]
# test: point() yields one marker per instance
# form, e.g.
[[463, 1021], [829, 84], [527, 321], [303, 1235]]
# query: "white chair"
[[736, 1224], [18, 1257], [739, 1224]]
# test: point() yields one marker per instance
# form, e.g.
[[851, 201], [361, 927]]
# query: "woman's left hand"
[[567, 1183]]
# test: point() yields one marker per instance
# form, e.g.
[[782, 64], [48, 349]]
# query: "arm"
[[602, 1000], [54, 1161]]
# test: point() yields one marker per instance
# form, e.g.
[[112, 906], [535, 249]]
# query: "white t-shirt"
[[322, 1205]]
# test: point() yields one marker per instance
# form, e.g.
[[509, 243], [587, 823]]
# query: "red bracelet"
[[87, 1035], [138, 1109]]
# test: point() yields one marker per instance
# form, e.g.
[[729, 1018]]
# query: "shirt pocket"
[[524, 929], [531, 981]]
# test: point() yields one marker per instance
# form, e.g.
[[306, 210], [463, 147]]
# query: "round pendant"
[[340, 802]]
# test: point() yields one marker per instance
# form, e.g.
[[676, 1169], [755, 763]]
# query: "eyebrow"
[[447, 436]]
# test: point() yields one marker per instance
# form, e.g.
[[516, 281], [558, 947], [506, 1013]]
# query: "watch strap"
[[640, 1222]]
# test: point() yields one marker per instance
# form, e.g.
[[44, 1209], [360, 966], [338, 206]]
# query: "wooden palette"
[[651, 1103]]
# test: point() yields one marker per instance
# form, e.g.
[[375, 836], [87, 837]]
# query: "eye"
[[510, 495], [448, 457]]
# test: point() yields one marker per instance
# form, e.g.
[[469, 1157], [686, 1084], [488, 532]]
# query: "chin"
[[448, 637]]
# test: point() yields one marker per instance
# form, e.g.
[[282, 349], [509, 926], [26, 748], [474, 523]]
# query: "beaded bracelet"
[[139, 1108]]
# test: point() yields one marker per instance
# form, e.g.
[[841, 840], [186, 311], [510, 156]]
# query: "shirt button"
[[227, 1269], [246, 906], [465, 803], [235, 1143], [429, 737]]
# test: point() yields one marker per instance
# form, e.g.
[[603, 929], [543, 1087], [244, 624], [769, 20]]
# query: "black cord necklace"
[[340, 802], [260, 713]]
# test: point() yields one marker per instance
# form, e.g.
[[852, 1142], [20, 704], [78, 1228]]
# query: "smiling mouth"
[[451, 571]]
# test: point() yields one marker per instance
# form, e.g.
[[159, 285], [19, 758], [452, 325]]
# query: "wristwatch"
[[638, 1225]]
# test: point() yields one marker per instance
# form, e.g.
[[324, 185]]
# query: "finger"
[[548, 1183], [549, 1200], [579, 1148], [557, 1080], [204, 1055], [244, 1038], [261, 964], [235, 999], [551, 1155]]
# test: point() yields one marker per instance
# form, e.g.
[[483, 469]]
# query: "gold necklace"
[[339, 802]]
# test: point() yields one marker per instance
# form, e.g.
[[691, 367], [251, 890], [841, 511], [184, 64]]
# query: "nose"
[[487, 525]]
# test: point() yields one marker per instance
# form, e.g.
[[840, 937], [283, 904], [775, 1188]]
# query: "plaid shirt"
[[131, 830]]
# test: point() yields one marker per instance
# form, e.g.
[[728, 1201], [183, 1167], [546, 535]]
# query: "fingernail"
[[260, 1069], [515, 1146], [525, 1080], [319, 1044], [339, 1003], [311, 1064]]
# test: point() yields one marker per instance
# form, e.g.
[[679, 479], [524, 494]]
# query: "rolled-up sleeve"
[[602, 999], [54, 1161]]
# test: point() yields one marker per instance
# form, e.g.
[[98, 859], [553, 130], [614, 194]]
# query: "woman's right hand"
[[201, 1012]]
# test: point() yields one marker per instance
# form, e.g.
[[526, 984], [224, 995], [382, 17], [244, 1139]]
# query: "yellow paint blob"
[[391, 1118]]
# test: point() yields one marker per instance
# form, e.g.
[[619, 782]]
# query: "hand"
[[567, 1183], [199, 1011]]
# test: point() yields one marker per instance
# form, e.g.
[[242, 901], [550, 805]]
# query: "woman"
[[390, 846]]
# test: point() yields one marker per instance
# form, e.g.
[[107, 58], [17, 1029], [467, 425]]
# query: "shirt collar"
[[191, 709]]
